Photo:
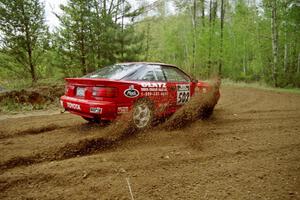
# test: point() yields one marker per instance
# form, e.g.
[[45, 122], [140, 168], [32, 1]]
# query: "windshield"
[[116, 72]]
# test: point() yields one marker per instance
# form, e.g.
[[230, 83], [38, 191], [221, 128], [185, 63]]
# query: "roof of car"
[[149, 63]]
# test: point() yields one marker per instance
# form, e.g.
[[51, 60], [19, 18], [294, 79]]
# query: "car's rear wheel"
[[97, 121], [91, 120], [142, 115]]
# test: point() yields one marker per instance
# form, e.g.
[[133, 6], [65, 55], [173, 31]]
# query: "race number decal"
[[183, 94]]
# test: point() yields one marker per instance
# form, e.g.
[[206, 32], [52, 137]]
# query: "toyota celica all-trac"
[[143, 90]]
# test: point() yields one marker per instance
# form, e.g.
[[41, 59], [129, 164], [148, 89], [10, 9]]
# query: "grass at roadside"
[[259, 85], [10, 106], [22, 96], [19, 84]]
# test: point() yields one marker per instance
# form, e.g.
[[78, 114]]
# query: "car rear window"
[[115, 72]]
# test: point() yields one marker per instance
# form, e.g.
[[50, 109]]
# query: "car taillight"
[[66, 89], [104, 92], [69, 89]]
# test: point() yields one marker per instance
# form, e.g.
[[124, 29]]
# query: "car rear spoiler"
[[91, 81]]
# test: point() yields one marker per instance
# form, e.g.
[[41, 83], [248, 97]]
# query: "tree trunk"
[[194, 34], [210, 38], [122, 39], [298, 65], [98, 49], [32, 67], [245, 59], [82, 58], [148, 41], [82, 51], [203, 12], [222, 35], [29, 52], [29, 47], [274, 42], [285, 64]]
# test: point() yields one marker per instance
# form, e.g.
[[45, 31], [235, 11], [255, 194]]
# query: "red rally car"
[[152, 90]]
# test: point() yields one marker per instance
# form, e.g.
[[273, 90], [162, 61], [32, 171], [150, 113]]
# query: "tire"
[[142, 115], [103, 123], [207, 112], [91, 120]]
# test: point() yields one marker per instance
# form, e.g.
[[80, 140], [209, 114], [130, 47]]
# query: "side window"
[[149, 76], [159, 74], [147, 73], [175, 75]]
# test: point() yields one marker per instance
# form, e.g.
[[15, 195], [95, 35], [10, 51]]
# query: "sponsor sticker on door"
[[122, 110], [183, 93]]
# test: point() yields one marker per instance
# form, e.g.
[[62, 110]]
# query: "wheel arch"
[[145, 99]]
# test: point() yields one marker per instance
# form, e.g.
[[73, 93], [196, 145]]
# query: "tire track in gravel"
[[253, 154], [89, 144], [21, 126], [196, 108], [41, 178], [31, 131]]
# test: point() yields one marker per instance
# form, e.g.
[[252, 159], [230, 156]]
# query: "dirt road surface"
[[248, 149]]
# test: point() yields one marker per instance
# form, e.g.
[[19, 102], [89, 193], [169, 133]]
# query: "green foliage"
[[93, 34], [96, 33], [9, 106], [259, 85], [22, 29], [247, 44]]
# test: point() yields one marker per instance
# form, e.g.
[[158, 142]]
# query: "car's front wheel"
[[142, 115], [206, 112]]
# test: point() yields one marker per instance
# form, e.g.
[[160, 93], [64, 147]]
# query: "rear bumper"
[[104, 110]]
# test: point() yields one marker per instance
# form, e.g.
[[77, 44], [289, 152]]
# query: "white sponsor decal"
[[73, 106], [155, 93], [183, 94], [96, 110], [122, 109], [155, 89], [154, 85]]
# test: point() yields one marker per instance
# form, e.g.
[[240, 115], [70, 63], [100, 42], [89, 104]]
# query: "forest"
[[241, 40]]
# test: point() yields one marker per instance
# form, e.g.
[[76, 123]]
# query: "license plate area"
[[80, 91]]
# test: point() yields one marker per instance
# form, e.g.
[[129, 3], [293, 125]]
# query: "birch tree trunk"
[[274, 42], [203, 12], [194, 34], [285, 65], [222, 36], [298, 66], [210, 38], [148, 41], [122, 24]]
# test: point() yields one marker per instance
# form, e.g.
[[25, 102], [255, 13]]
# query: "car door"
[[153, 87], [179, 86]]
